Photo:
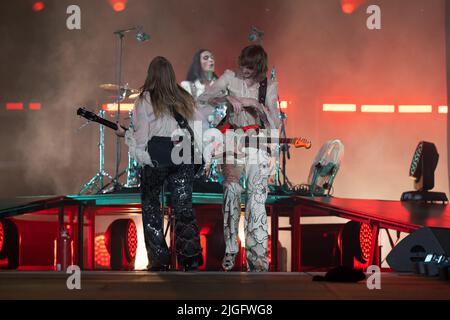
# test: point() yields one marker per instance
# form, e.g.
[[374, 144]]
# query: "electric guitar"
[[225, 124], [198, 168], [95, 118]]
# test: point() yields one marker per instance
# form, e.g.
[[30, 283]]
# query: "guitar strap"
[[193, 89], [262, 93], [184, 124]]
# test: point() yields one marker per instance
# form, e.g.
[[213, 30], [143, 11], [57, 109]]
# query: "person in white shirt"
[[160, 101], [201, 73], [247, 87], [199, 78]]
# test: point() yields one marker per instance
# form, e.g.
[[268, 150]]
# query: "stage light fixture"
[[2, 236], [355, 244], [423, 165], [365, 240], [131, 247], [9, 243], [102, 256], [121, 243]]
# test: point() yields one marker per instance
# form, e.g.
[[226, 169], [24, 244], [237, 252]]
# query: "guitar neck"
[[281, 140], [272, 140], [95, 118], [107, 123]]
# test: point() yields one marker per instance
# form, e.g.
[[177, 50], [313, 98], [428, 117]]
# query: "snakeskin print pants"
[[179, 184], [256, 229]]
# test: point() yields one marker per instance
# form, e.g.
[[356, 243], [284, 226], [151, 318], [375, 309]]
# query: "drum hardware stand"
[[132, 171], [214, 174], [97, 182], [285, 155], [280, 147], [133, 166]]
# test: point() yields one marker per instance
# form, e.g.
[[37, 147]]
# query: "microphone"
[[273, 74], [255, 34], [141, 36], [123, 31]]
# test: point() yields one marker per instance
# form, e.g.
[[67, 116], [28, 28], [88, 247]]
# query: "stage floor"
[[213, 286]]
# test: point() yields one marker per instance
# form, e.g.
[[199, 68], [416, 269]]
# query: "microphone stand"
[[284, 147], [121, 36]]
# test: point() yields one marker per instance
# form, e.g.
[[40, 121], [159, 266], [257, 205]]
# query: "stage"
[[80, 215], [27, 282], [214, 286]]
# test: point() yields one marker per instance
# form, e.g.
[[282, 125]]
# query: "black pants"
[[187, 243]]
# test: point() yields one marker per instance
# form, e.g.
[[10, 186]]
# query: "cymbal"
[[115, 87], [133, 96]]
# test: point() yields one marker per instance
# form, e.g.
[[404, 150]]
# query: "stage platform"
[[214, 286], [82, 211]]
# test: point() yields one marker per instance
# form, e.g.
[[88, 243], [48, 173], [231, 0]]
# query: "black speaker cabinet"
[[414, 248]]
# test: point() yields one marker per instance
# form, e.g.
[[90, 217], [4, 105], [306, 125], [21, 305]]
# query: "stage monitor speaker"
[[415, 247]]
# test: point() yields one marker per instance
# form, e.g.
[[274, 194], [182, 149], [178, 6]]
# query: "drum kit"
[[97, 184]]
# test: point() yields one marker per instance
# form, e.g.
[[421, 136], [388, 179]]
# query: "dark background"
[[321, 54]]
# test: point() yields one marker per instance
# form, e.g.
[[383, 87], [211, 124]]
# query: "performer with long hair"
[[201, 73], [244, 88], [161, 101]]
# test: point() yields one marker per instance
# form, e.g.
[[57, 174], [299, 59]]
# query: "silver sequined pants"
[[179, 183], [256, 172]]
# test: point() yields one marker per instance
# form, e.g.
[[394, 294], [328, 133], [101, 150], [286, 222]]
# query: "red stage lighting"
[[2, 236], [349, 6], [38, 6], [9, 243], [121, 243], [131, 240], [118, 5], [102, 257], [203, 244], [355, 244], [283, 104], [14, 106], [34, 106], [204, 232], [365, 240]]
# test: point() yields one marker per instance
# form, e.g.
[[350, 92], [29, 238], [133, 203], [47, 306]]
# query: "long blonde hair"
[[164, 90]]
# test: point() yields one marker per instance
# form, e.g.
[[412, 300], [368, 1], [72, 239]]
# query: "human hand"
[[236, 103], [249, 102], [120, 132]]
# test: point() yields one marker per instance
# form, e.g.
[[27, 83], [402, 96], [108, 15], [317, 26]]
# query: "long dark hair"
[[195, 70], [254, 57], [164, 90]]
